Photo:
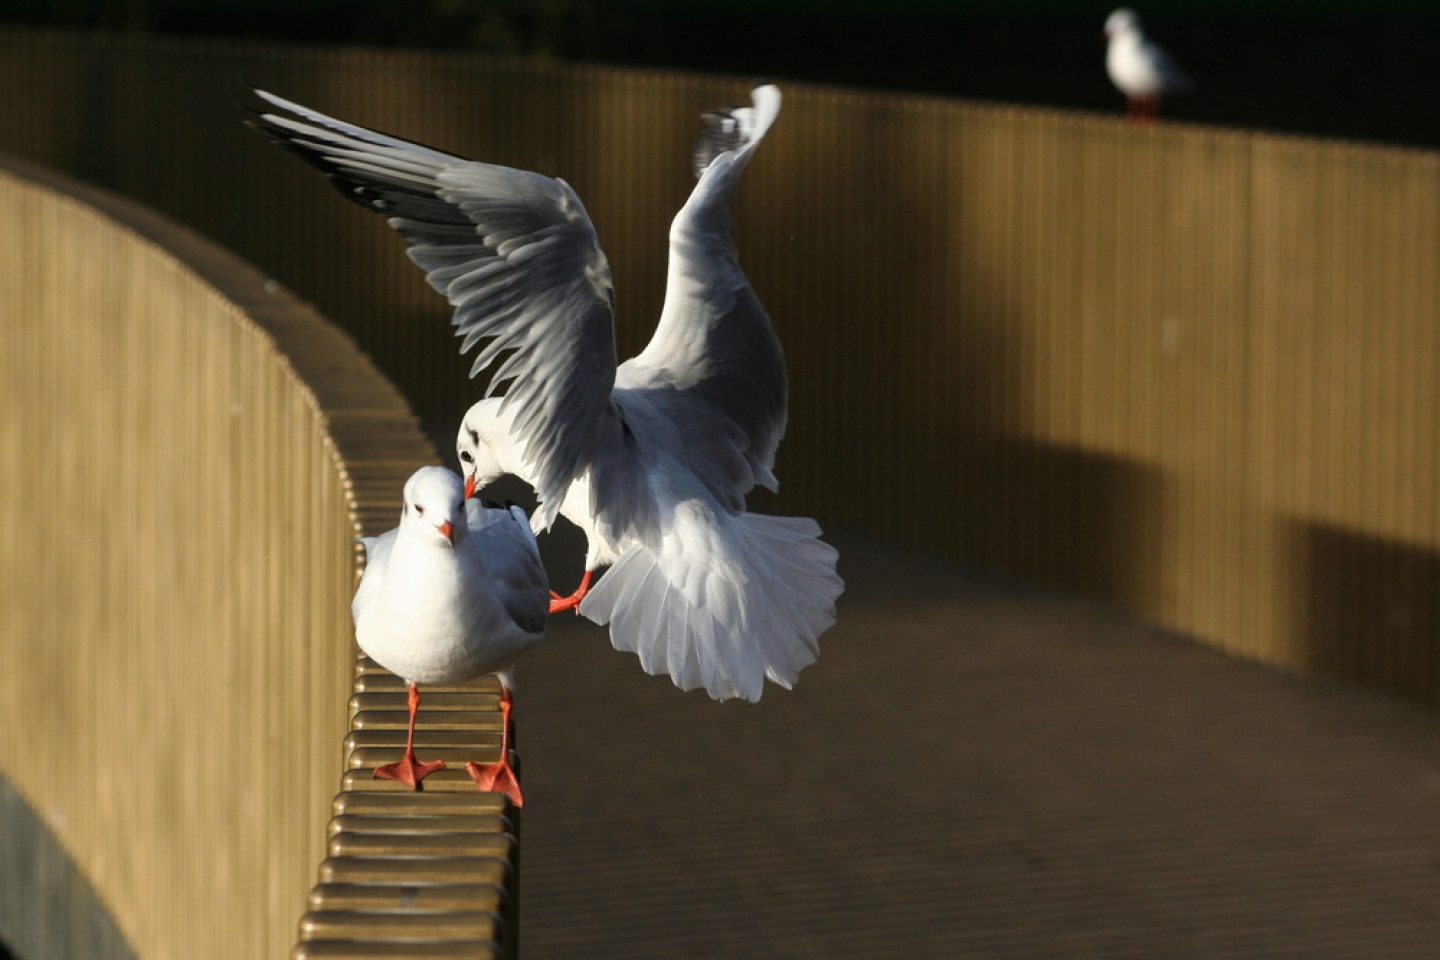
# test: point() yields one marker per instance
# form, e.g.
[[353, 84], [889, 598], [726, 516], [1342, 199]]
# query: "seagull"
[[454, 592], [653, 458], [1140, 69]]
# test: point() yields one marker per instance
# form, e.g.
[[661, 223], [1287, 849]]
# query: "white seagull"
[[454, 592], [653, 460], [1140, 69]]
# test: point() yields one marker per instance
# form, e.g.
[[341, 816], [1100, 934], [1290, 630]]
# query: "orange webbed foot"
[[496, 778], [408, 770]]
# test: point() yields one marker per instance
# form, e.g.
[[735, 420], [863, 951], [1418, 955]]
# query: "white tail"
[[724, 603]]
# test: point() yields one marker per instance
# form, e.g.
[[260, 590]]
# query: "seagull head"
[[484, 437], [1121, 21], [434, 508]]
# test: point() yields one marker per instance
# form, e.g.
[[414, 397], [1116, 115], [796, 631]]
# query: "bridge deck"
[[974, 771]]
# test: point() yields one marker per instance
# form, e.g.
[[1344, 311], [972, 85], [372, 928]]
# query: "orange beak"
[[470, 486], [447, 529]]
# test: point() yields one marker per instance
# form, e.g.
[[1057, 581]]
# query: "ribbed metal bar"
[[409, 873]]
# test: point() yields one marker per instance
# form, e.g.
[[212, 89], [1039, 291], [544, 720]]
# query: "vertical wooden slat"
[[177, 565]]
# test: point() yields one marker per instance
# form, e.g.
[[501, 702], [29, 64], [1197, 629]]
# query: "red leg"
[[407, 769], [572, 602], [1149, 108], [1143, 110], [499, 777]]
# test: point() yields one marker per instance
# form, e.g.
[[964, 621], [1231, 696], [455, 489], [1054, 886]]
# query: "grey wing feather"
[[517, 256], [1176, 79], [714, 359], [513, 560]]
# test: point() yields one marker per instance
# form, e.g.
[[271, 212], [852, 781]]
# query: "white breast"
[[434, 618], [1131, 68]]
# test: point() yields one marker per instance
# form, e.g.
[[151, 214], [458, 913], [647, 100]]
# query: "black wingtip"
[[253, 89], [256, 121]]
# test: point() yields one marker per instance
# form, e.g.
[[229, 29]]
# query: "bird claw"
[[496, 778], [408, 770], [572, 602]]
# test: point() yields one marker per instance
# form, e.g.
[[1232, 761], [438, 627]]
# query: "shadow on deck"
[[974, 770]]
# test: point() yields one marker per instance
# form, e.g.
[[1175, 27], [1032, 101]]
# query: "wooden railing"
[[186, 457]]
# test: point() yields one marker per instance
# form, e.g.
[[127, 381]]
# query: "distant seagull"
[[1141, 69], [454, 592], [654, 459]]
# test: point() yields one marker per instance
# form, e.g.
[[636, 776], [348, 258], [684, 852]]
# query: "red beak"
[[447, 529], [470, 486]]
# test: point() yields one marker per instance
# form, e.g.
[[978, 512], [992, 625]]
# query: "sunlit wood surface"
[[186, 456]]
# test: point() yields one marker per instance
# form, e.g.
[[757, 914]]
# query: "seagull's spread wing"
[[517, 256], [714, 362]]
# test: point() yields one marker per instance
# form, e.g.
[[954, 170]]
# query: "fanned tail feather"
[[750, 605]]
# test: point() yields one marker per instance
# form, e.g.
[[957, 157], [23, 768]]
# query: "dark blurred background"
[[1341, 69]]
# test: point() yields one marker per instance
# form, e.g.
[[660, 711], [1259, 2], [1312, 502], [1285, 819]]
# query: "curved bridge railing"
[[187, 455]]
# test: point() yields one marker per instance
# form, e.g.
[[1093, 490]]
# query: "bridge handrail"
[[189, 453]]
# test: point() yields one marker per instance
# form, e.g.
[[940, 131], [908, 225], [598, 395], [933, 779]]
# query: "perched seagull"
[[455, 591], [1141, 69], [653, 460]]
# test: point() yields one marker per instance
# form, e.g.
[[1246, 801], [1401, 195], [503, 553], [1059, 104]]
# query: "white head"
[[1121, 21], [434, 508], [483, 432]]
